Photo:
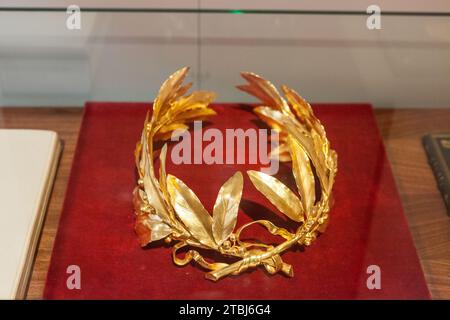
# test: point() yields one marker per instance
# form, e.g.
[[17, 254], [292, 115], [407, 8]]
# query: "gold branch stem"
[[251, 261], [255, 260]]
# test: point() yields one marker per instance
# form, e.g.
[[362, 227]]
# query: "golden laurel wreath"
[[167, 209]]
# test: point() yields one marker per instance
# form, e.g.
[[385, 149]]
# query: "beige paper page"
[[28, 160]]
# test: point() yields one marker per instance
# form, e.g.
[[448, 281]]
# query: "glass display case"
[[123, 54], [56, 57]]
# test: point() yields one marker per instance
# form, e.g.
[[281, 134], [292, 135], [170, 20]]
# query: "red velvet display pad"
[[367, 225]]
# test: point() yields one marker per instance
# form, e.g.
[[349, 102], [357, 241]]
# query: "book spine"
[[438, 168]]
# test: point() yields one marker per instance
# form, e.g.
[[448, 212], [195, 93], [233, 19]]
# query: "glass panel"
[[115, 56], [125, 55], [331, 58]]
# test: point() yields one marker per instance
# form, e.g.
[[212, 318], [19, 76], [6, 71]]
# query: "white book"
[[28, 162]]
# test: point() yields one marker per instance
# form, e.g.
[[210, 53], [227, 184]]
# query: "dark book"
[[437, 147]]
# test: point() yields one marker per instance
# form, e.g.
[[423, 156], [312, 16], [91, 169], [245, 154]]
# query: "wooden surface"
[[401, 131]]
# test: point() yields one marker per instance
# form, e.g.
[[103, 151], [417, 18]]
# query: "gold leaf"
[[304, 177], [303, 109], [196, 100], [270, 122], [187, 108], [163, 185], [139, 151], [172, 127], [137, 157], [151, 186], [279, 118], [150, 227], [332, 164], [195, 114], [278, 194], [262, 89], [191, 211], [293, 128], [159, 228], [182, 90], [168, 92], [166, 132], [321, 145], [162, 171], [281, 152], [226, 208], [300, 106]]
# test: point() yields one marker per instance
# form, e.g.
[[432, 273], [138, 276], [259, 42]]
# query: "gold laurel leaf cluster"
[[166, 208]]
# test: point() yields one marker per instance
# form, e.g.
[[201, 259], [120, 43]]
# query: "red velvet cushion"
[[367, 224]]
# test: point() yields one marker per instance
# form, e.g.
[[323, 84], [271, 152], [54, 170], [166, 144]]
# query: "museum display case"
[[378, 118]]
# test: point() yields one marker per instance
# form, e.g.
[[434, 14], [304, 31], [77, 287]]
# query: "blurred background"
[[124, 50]]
